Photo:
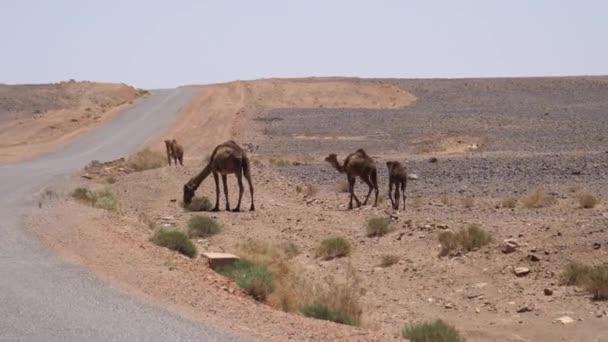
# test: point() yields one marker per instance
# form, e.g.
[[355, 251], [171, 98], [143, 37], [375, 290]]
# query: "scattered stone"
[[565, 320], [477, 310], [597, 245], [87, 176], [525, 308], [217, 260], [599, 314], [173, 200], [548, 292], [433, 160], [449, 306], [533, 258], [509, 246], [521, 271]]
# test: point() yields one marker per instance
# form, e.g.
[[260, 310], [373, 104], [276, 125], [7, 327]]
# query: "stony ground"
[[493, 140]]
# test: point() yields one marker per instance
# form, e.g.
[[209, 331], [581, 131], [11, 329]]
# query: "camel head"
[[188, 194], [331, 158]]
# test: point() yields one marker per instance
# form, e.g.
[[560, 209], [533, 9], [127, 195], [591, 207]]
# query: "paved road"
[[43, 298]]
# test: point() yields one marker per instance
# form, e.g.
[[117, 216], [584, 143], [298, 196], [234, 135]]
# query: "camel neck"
[[196, 181]]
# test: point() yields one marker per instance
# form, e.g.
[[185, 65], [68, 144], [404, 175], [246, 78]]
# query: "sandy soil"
[[480, 163], [35, 119]]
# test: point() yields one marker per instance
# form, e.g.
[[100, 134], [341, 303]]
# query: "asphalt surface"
[[44, 298]]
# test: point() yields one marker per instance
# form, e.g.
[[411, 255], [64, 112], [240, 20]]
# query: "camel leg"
[[403, 185], [225, 182], [353, 179], [247, 173], [217, 192], [351, 185], [374, 179], [390, 193], [239, 178], [396, 207], [369, 184], [181, 160]]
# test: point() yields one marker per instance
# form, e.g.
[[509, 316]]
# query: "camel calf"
[[175, 151], [397, 176]]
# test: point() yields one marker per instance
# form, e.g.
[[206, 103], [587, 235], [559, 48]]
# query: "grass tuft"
[[103, 199], [587, 200], [509, 202], [537, 199], [146, 160], [255, 279], [199, 204], [203, 226], [437, 331], [593, 279], [321, 311], [332, 248], [466, 239], [174, 240], [378, 226]]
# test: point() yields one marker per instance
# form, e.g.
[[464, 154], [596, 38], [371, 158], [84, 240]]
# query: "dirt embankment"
[[37, 118]]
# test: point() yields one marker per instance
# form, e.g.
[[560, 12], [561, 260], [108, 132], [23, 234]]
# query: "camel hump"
[[362, 151]]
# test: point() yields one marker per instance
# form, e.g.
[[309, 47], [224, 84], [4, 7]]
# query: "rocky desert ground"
[[511, 156]]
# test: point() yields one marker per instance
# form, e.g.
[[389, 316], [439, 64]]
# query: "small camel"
[[397, 176], [175, 151], [361, 165], [226, 158]]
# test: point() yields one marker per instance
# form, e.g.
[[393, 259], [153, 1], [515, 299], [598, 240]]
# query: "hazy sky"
[[168, 43]]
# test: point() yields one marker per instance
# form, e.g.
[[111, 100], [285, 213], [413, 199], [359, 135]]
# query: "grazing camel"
[[361, 165], [175, 151], [226, 158], [397, 176]]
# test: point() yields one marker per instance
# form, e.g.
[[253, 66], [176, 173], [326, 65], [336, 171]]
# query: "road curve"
[[42, 297]]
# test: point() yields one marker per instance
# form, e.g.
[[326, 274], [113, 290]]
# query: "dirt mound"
[[35, 118]]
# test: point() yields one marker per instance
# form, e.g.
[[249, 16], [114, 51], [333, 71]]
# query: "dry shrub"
[[378, 226], [103, 199], [445, 200], [299, 189], [278, 162], [198, 204], [254, 278], [593, 279], [587, 200], [389, 260], [146, 160], [466, 239], [111, 180], [537, 199], [509, 202], [294, 289], [310, 190], [437, 331], [332, 248], [342, 186], [468, 202]]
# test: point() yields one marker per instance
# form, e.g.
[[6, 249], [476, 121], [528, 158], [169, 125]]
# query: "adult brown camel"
[[357, 164], [397, 176], [175, 151], [226, 158]]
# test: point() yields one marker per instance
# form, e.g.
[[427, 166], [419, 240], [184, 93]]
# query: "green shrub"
[[175, 240], [146, 160], [255, 279], [103, 199], [199, 204], [321, 311], [437, 331], [335, 247], [467, 239], [203, 226], [377, 226]]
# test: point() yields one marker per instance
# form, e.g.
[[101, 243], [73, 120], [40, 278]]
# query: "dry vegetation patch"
[[203, 226], [146, 160], [593, 279], [255, 279], [389, 260], [436, 331], [538, 199], [332, 248], [103, 199], [466, 239], [174, 240], [378, 226], [587, 200], [198, 204]]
